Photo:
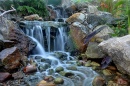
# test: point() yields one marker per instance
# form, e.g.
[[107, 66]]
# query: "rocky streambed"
[[60, 69]]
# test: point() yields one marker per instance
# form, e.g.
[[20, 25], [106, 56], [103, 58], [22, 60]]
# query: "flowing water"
[[50, 54]]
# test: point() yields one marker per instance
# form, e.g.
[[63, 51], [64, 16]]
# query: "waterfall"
[[50, 53]]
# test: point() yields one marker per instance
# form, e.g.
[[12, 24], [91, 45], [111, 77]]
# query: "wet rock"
[[62, 73], [61, 55], [32, 80], [4, 76], [30, 69], [72, 68], [118, 49], [46, 60], [49, 78], [58, 81], [58, 69], [50, 71], [44, 83], [18, 75], [43, 67], [98, 81], [10, 58], [68, 74]]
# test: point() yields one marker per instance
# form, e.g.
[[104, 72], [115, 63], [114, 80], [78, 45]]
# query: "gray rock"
[[105, 33], [93, 51], [118, 49]]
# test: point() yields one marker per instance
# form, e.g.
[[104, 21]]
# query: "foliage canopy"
[[26, 7]]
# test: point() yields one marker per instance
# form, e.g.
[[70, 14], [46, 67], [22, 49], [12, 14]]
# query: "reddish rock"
[[10, 31], [10, 58], [78, 38], [98, 81], [30, 69], [121, 81], [4, 76]]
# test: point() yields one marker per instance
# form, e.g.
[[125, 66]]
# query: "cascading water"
[[54, 56]]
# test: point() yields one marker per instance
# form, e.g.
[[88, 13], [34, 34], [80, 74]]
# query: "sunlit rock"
[[77, 17], [107, 72], [33, 17], [44, 83]]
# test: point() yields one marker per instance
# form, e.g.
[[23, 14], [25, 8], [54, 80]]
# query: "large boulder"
[[77, 36], [118, 49], [10, 58], [22, 42], [9, 31]]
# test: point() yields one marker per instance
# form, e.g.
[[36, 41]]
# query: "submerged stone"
[[58, 69], [58, 81]]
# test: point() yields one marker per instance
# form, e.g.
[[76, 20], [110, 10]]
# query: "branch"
[[5, 12]]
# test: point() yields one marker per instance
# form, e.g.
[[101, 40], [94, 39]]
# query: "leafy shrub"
[[26, 7], [121, 28]]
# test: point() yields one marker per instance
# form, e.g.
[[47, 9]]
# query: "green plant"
[[27, 7], [121, 28], [119, 9], [81, 1]]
